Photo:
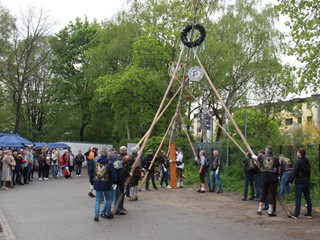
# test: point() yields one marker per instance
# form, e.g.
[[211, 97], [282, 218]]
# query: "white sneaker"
[[40, 179], [168, 187]]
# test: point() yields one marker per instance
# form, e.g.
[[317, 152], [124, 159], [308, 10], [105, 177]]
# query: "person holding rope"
[[270, 169]]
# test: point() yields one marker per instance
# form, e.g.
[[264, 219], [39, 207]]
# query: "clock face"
[[195, 73]]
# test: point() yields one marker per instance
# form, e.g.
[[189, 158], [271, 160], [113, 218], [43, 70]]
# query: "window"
[[289, 121], [300, 120], [309, 119]]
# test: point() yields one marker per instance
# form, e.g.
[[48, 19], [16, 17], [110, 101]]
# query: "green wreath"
[[198, 41]]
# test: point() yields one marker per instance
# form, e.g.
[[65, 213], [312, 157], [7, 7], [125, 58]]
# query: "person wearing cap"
[[146, 164]]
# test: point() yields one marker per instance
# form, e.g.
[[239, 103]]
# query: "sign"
[[195, 73]]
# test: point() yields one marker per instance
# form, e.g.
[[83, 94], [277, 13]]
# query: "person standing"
[[287, 171], [216, 171], [41, 163], [179, 167], [79, 160], [202, 171], [249, 171], [122, 174], [6, 170], [104, 175], [301, 176], [163, 161], [55, 163], [147, 163], [270, 169], [24, 166], [70, 162], [90, 155], [136, 176]]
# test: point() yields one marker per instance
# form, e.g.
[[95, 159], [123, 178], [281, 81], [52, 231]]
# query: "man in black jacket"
[[146, 164], [301, 175], [270, 168]]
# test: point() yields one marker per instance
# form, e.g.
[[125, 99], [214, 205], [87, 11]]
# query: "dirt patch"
[[230, 206]]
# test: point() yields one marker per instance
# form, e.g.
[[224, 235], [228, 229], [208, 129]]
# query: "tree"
[[135, 93], [241, 52], [261, 129], [23, 57], [73, 89], [304, 30]]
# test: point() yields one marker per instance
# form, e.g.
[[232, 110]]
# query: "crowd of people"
[[266, 172], [112, 178], [18, 166]]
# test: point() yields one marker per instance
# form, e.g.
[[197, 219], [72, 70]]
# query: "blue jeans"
[[299, 189], [248, 178], [284, 184], [216, 177], [55, 169], [106, 208]]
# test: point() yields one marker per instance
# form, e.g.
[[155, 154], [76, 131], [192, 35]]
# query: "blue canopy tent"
[[51, 145], [13, 141]]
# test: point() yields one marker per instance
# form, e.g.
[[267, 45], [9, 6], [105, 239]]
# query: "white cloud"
[[63, 11]]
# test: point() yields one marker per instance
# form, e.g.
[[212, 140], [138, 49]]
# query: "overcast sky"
[[63, 11]]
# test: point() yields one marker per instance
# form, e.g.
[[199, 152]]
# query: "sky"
[[64, 11]]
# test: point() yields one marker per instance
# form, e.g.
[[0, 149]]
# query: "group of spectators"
[[268, 172], [205, 166], [18, 166]]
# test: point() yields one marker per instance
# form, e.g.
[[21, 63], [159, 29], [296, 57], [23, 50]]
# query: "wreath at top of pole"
[[198, 41]]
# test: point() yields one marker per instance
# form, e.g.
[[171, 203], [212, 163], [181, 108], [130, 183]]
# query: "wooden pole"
[[156, 154], [223, 129], [161, 114], [224, 105], [138, 161]]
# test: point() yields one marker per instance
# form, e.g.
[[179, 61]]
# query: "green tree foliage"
[[73, 89], [304, 31], [261, 129], [241, 53], [25, 53]]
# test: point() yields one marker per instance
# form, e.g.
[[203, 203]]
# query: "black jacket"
[[301, 172]]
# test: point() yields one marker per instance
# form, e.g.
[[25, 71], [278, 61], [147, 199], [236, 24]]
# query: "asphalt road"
[[61, 209]]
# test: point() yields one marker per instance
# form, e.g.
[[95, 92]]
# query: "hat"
[[150, 150]]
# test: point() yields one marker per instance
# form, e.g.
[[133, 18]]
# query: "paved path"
[[60, 209]]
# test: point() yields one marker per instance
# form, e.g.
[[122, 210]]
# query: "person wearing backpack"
[[104, 176], [249, 171], [203, 169]]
